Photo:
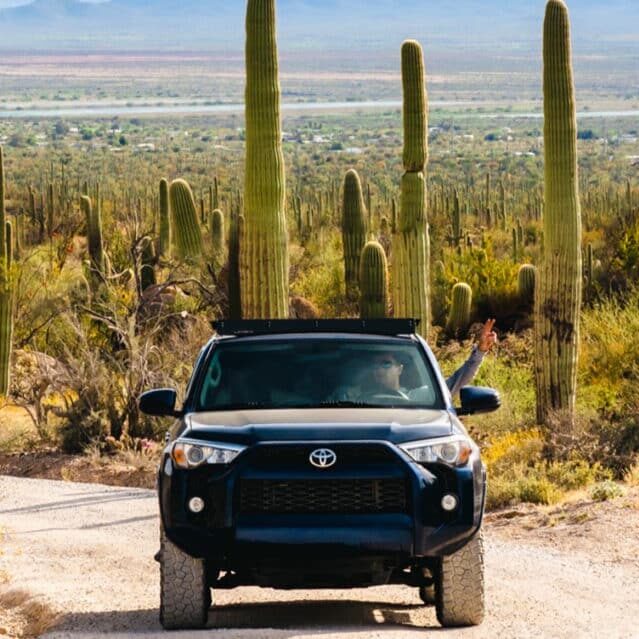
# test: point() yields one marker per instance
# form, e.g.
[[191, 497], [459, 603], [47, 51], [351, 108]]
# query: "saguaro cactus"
[[373, 281], [526, 284], [411, 246], [263, 243], [147, 263], [6, 294], [217, 233], [459, 314], [164, 244], [50, 210], [353, 229], [558, 293], [186, 233], [94, 236]]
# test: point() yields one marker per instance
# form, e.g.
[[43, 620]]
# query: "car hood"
[[319, 425]]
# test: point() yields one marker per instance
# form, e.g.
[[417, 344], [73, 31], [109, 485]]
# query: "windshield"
[[317, 373]]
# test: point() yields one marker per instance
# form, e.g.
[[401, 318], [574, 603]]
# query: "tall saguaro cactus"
[[94, 237], [353, 229], [558, 291], [164, 244], [411, 246], [264, 261], [6, 294]]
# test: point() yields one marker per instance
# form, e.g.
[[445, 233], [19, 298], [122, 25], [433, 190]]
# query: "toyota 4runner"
[[292, 465]]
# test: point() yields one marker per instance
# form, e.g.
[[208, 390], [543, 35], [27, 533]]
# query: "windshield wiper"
[[238, 406], [347, 403], [338, 403]]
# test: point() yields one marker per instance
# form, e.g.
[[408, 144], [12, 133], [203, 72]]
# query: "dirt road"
[[88, 550]]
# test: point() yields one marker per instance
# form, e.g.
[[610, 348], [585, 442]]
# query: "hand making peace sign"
[[487, 337]]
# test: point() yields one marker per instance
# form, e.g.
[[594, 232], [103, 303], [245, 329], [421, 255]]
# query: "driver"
[[386, 371]]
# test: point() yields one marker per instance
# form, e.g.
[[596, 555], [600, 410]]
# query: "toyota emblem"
[[322, 458]]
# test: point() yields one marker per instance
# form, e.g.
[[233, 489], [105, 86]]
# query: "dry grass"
[[23, 616], [632, 475], [17, 430]]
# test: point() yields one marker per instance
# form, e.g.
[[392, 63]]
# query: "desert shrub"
[[42, 294], [501, 492], [537, 490], [493, 281], [621, 263], [521, 483], [606, 490], [618, 441], [109, 362], [317, 274], [511, 449], [631, 476], [518, 472], [574, 474], [609, 354], [610, 440]]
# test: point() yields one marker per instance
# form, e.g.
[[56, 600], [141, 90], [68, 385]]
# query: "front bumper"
[[228, 535]]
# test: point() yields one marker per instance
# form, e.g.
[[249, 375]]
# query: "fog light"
[[449, 502], [196, 504]]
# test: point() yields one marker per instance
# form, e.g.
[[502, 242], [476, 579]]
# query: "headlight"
[[189, 453], [454, 450]]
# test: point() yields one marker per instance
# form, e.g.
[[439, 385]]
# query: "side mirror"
[[478, 399], [159, 402]]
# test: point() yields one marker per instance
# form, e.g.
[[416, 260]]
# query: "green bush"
[[537, 490], [606, 490], [520, 484], [609, 356], [492, 279], [317, 274], [571, 475]]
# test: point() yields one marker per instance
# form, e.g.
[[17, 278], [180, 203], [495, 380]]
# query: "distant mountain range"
[[308, 24]]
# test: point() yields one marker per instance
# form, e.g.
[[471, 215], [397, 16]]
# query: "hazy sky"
[[15, 3]]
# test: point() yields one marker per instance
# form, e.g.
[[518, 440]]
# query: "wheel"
[[459, 589], [185, 597], [427, 594]]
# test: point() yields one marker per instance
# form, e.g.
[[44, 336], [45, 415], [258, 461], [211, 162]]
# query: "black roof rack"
[[265, 327]]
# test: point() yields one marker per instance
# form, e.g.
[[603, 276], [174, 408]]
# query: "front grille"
[[298, 455], [323, 496]]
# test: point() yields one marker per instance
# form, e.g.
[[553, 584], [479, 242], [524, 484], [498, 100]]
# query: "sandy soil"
[[88, 550]]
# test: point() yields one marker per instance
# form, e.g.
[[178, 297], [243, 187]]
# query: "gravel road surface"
[[88, 549]]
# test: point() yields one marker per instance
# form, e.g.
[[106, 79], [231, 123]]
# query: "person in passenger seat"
[[387, 370]]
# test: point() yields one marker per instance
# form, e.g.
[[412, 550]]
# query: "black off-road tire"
[[185, 597], [460, 586]]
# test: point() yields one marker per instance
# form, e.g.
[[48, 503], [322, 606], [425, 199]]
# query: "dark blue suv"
[[320, 454]]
